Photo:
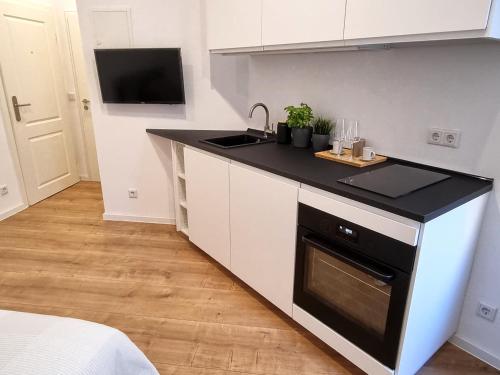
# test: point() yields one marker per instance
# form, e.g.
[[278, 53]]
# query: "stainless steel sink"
[[238, 140]]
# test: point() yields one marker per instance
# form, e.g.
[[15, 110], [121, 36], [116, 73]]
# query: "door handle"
[[16, 106], [86, 103]]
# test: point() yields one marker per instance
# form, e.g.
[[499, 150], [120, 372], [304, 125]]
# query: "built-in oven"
[[354, 280]]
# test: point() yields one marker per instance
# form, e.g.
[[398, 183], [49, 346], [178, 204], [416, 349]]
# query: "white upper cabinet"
[[207, 193], [274, 25], [263, 227], [387, 18], [299, 21], [234, 24]]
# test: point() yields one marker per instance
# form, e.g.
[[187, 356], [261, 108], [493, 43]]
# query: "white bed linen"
[[32, 344]]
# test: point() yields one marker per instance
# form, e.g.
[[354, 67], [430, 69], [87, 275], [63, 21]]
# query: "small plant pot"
[[301, 137], [320, 142]]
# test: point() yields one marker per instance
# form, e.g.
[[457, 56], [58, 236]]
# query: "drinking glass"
[[339, 137], [351, 133]]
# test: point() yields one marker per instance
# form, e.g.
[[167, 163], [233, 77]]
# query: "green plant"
[[299, 117], [322, 126]]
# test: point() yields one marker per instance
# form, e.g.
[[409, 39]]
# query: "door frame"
[[91, 174]]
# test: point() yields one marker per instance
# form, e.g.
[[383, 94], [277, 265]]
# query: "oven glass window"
[[353, 293]]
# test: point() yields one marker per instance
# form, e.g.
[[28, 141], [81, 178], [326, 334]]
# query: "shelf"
[[181, 213], [179, 155], [181, 190]]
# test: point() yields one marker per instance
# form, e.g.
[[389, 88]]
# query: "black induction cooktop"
[[395, 181]]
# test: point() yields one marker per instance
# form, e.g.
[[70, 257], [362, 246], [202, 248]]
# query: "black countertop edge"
[[190, 138]]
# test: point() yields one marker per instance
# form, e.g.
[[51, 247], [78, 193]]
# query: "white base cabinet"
[[207, 193], [263, 225], [246, 219]]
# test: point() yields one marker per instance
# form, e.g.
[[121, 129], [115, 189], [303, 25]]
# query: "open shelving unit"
[[181, 207]]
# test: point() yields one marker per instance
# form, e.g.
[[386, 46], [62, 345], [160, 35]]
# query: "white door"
[[263, 227], [32, 74], [82, 93], [234, 23], [370, 19], [207, 196], [299, 21]]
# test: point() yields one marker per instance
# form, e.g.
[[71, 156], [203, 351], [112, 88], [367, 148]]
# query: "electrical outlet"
[[444, 137], [4, 190], [451, 138], [486, 311], [435, 136], [132, 193]]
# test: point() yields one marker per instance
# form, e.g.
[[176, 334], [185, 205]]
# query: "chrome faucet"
[[267, 129]]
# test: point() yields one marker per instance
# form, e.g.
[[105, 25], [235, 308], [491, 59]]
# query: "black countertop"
[[301, 165]]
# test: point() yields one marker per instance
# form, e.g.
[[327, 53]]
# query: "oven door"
[[359, 298]]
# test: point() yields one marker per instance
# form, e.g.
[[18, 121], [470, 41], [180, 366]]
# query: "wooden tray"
[[345, 158]]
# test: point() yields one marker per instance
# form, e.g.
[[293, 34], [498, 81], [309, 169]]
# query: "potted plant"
[[322, 127], [299, 119]]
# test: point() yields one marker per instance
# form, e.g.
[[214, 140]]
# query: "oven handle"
[[381, 275]]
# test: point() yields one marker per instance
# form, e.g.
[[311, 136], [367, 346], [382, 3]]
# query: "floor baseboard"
[[88, 179], [138, 219], [12, 211], [476, 352]]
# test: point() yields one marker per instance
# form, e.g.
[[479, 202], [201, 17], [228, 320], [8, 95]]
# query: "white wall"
[[14, 200], [128, 157], [397, 95]]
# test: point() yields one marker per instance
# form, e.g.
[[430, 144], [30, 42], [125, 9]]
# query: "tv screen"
[[140, 75]]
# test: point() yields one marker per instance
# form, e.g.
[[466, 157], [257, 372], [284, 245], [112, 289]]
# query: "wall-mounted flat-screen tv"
[[140, 75]]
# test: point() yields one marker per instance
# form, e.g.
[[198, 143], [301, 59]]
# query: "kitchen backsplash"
[[396, 95]]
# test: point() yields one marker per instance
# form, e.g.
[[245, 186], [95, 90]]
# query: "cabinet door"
[[207, 196], [368, 18], [234, 23], [299, 21], [263, 229]]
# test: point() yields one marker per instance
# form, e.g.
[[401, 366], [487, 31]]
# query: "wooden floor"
[[187, 314]]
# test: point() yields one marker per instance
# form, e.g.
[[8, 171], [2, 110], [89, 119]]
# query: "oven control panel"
[[340, 232], [347, 233]]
